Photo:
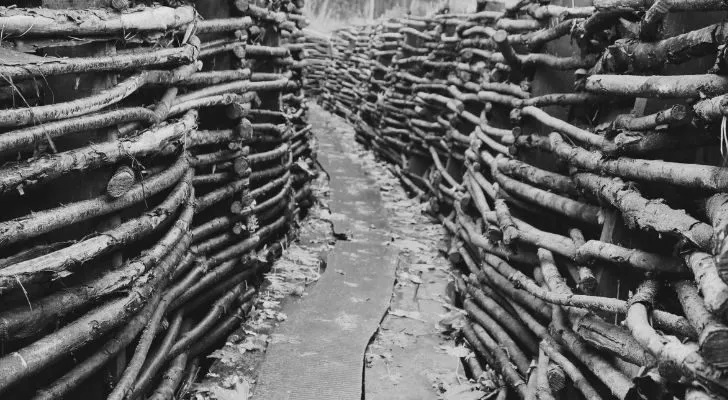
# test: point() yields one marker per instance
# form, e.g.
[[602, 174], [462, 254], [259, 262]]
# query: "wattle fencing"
[[155, 160], [575, 155]]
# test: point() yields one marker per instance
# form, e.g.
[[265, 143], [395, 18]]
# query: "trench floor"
[[376, 322]]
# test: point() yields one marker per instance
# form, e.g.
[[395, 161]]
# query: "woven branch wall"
[[573, 152], [155, 159]]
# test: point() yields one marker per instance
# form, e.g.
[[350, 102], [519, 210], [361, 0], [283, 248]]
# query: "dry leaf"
[[241, 391], [407, 314], [227, 355], [459, 351]]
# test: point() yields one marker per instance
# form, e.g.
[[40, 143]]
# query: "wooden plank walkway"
[[328, 331]]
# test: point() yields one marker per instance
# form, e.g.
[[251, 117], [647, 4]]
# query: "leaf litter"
[[420, 242], [233, 374]]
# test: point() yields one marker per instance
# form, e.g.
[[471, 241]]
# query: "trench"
[[509, 200]]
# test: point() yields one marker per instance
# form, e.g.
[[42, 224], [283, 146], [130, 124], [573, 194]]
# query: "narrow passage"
[[340, 341]]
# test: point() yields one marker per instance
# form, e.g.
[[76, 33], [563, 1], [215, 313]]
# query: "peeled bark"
[[44, 169], [27, 137], [535, 39], [658, 86], [716, 209], [586, 281], [572, 131], [34, 22], [185, 104], [49, 66], [672, 116], [713, 335], [40, 222], [536, 176], [58, 263], [470, 235], [629, 55], [686, 175], [682, 5], [713, 289], [73, 108], [639, 212], [223, 25], [564, 99], [563, 205], [598, 250], [505, 221]]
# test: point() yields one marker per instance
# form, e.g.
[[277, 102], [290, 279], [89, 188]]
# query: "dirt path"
[[377, 308]]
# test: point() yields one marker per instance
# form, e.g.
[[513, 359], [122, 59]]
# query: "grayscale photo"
[[364, 199]]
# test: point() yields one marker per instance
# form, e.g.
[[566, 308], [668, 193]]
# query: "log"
[[43, 22], [120, 182], [88, 328], [676, 357], [712, 333], [49, 66], [639, 212], [44, 169], [58, 263], [40, 222], [681, 174]]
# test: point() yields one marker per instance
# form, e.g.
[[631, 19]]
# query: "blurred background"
[[328, 15]]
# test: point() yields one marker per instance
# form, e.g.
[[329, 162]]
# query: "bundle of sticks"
[[318, 56], [155, 161], [578, 168]]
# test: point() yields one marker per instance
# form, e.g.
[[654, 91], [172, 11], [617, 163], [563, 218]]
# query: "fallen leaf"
[[407, 314], [240, 391], [227, 355], [459, 351], [253, 343], [453, 320]]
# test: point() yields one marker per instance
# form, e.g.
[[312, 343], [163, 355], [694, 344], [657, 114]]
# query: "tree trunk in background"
[[324, 10]]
